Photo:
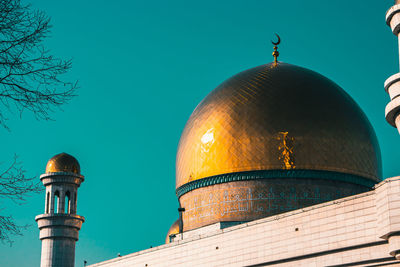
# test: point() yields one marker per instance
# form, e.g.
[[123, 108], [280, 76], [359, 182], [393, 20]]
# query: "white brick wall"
[[348, 230]]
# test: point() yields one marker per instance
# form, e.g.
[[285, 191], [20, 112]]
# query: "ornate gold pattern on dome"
[[173, 230], [286, 149], [63, 163], [235, 128]]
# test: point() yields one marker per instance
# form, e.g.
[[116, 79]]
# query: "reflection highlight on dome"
[[207, 139]]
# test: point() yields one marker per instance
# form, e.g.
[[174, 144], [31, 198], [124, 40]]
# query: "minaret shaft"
[[392, 84], [58, 252], [59, 225]]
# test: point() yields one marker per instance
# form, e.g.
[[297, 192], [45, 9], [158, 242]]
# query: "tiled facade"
[[354, 231]]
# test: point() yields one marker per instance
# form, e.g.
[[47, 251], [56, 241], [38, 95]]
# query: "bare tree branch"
[[15, 186], [30, 79], [8, 228]]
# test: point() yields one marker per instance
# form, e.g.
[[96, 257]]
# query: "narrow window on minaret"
[[67, 203], [56, 201], [47, 202], [75, 203]]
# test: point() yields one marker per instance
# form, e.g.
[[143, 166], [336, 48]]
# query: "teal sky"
[[143, 66]]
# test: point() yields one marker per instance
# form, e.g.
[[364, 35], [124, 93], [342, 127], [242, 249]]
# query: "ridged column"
[[59, 226], [392, 84]]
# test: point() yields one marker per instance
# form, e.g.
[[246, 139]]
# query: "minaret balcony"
[[59, 225], [393, 18], [392, 86]]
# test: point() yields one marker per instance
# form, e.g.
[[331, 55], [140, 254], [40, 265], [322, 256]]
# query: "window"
[[75, 202], [56, 201], [67, 204], [47, 202]]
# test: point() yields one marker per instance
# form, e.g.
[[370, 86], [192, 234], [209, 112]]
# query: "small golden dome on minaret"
[[63, 162]]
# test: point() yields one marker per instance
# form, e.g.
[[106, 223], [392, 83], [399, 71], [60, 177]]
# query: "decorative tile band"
[[269, 174]]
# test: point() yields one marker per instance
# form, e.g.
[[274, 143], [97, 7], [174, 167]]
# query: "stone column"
[[392, 84], [58, 233], [59, 230]]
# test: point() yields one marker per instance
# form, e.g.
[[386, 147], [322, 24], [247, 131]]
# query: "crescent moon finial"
[[275, 54], [278, 42]]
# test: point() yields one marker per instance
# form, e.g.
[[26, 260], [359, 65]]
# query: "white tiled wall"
[[349, 224]]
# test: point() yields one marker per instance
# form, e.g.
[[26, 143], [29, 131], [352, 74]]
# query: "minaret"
[[59, 225], [392, 84]]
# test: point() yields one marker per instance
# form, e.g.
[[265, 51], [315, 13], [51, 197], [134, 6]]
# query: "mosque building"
[[277, 166]]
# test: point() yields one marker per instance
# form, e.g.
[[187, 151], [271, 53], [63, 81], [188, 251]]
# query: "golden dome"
[[63, 162], [173, 230], [277, 118]]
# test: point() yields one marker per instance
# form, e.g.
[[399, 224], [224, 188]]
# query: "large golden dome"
[[272, 139], [280, 117]]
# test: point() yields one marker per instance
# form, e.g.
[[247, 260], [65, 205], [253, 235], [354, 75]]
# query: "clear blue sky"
[[143, 66]]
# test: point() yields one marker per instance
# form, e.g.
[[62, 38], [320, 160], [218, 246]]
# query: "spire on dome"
[[275, 54]]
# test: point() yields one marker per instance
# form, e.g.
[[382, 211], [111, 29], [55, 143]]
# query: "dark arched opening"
[[67, 204], [47, 202], [56, 201]]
